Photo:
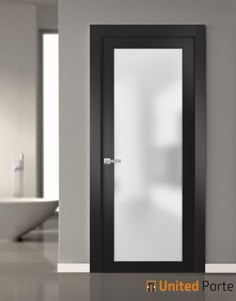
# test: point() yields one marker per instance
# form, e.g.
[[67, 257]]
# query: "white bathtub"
[[20, 215]]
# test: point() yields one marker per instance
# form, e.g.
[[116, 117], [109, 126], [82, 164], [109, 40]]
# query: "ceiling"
[[38, 2]]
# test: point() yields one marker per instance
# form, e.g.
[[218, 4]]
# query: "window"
[[50, 93]]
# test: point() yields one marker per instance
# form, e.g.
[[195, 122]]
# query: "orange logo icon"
[[151, 285]]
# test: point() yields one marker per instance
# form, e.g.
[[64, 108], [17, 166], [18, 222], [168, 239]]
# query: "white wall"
[[18, 84], [74, 20]]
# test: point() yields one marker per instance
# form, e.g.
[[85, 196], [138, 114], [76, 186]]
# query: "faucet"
[[18, 174], [19, 164]]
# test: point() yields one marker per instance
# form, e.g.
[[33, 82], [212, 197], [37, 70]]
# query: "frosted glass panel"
[[148, 140]]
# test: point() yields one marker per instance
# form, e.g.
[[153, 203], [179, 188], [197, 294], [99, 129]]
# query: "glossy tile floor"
[[28, 272], [28, 268], [37, 251]]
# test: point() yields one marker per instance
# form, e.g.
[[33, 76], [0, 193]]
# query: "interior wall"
[[18, 83], [74, 20], [47, 17]]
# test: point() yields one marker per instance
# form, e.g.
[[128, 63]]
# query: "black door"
[[147, 148]]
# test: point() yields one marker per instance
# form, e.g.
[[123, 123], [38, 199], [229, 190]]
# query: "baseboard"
[[220, 268], [73, 267], [85, 268]]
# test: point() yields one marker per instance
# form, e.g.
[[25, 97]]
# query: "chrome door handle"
[[111, 161]]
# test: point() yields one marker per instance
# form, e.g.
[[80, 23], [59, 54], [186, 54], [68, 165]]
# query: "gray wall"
[[47, 17], [18, 96], [74, 20]]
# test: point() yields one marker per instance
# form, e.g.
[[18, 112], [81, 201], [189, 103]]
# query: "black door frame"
[[99, 34]]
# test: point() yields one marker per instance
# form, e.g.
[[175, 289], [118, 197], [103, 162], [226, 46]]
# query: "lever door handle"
[[111, 161]]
